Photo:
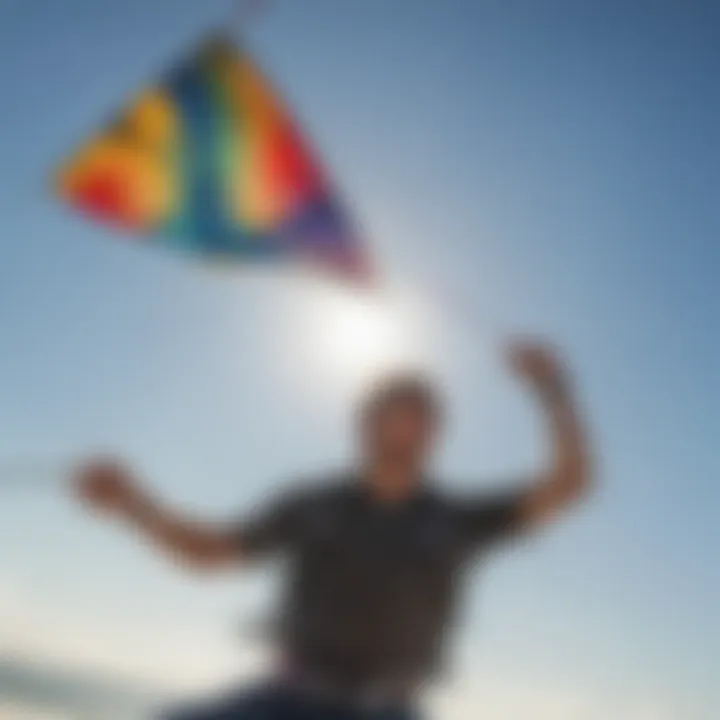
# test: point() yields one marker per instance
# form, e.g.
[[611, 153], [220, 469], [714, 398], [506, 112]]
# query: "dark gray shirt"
[[371, 586]]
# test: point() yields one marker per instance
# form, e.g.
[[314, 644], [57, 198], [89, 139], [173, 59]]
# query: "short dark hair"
[[405, 388]]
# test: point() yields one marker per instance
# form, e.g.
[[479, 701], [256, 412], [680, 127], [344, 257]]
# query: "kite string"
[[477, 325]]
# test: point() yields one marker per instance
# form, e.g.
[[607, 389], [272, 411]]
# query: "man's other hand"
[[538, 364], [107, 486]]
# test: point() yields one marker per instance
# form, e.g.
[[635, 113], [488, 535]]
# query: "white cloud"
[[164, 656]]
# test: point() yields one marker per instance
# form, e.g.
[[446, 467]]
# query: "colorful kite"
[[210, 161]]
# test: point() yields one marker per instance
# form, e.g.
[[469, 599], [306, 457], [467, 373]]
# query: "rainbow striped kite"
[[210, 161]]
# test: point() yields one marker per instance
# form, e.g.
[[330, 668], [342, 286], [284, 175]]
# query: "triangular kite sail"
[[209, 160]]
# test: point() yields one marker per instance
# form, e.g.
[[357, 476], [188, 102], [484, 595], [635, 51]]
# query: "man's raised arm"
[[110, 488], [568, 477]]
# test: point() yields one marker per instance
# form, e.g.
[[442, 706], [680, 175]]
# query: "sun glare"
[[351, 338]]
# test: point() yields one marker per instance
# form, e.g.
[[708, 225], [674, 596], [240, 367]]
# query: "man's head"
[[399, 422]]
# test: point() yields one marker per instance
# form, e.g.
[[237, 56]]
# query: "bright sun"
[[350, 338]]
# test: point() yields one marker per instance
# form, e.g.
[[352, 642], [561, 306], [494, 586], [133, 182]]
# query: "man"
[[374, 557]]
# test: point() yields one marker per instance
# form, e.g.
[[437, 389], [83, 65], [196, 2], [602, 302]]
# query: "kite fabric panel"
[[209, 160]]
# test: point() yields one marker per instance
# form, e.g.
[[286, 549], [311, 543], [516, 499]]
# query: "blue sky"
[[540, 166]]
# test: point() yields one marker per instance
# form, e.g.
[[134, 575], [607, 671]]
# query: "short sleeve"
[[489, 519], [273, 528]]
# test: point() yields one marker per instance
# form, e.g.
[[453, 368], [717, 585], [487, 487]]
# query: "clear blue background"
[[555, 163]]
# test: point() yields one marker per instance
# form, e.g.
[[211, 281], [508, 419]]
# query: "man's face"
[[401, 435]]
